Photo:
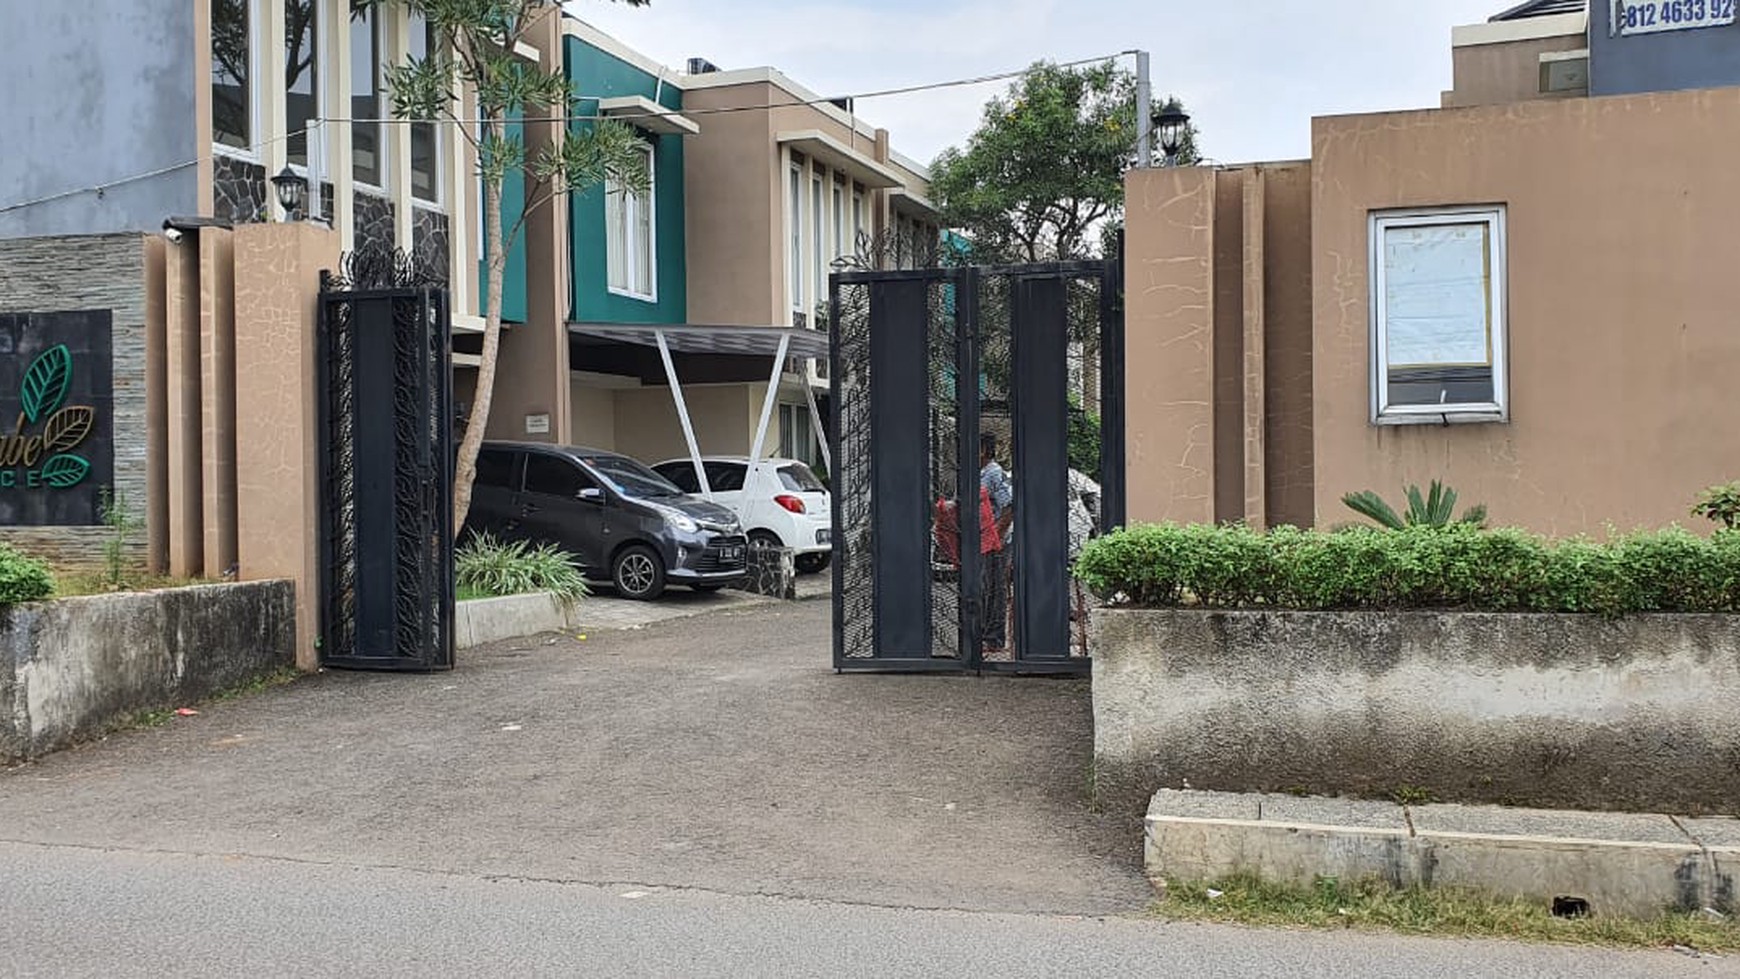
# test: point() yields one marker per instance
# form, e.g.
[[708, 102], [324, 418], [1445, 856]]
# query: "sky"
[[1251, 72]]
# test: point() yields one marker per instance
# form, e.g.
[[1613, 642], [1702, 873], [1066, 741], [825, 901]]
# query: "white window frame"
[[1498, 410], [633, 205], [818, 236], [794, 205], [322, 75], [383, 110], [437, 146], [256, 122]]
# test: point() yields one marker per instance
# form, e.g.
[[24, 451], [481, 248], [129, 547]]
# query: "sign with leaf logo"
[[48, 455], [55, 443]]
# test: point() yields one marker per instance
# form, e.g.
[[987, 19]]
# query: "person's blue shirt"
[[996, 483]]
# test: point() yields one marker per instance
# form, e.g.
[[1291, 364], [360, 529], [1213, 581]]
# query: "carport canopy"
[[779, 343]]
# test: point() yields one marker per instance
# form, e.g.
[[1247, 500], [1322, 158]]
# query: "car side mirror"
[[590, 494]]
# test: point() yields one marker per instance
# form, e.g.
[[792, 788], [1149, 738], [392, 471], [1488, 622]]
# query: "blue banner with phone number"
[[1656, 16]]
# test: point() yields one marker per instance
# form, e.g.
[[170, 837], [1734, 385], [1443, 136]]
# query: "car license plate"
[[824, 536]]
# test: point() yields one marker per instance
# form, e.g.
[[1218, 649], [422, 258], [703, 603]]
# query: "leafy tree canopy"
[[1044, 173]]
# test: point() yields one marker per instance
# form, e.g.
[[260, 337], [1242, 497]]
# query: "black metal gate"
[[925, 364], [386, 515]]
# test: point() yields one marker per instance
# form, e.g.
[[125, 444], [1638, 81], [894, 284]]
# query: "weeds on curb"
[[1444, 912]]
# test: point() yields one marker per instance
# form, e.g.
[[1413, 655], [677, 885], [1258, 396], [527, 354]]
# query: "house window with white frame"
[[818, 235], [425, 42], [630, 252], [794, 272], [1438, 316], [232, 73], [366, 97], [301, 75]]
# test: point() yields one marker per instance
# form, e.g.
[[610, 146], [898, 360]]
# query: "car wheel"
[[638, 573], [812, 563], [764, 538]]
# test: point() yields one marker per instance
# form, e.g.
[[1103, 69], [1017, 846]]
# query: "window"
[[425, 141], [365, 97], [1438, 323], [839, 216], [857, 216], [232, 72], [796, 439], [725, 477], [555, 476], [794, 272], [797, 478], [818, 232], [628, 233], [301, 75], [496, 468], [681, 475]]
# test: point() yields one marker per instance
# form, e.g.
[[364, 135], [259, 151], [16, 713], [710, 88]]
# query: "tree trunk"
[[465, 468]]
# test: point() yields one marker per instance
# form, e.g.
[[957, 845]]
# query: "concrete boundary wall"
[[73, 668], [1554, 711]]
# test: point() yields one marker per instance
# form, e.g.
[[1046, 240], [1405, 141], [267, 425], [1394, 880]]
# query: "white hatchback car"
[[782, 504]]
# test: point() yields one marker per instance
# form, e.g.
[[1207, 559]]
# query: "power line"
[[101, 188]]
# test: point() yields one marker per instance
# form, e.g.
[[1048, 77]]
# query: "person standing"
[[994, 587]]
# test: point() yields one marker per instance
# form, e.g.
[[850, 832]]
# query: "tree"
[[477, 56], [1044, 173]]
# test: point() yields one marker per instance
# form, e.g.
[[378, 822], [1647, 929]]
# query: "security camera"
[[173, 234]]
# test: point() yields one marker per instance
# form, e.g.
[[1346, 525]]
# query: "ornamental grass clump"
[[486, 566]]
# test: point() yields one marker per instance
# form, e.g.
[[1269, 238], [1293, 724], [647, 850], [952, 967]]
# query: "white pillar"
[[683, 415]]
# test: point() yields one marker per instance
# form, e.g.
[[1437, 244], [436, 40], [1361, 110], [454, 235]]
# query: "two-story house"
[[757, 187]]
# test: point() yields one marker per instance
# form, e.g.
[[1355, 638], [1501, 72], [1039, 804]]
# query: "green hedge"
[[22, 578], [1458, 567]]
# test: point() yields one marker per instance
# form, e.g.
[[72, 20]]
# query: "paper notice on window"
[[1437, 311]]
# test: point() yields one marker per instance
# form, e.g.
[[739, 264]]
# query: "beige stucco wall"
[[1169, 343], [594, 421], [1496, 74], [1218, 344], [1623, 304], [277, 285], [724, 417], [731, 183]]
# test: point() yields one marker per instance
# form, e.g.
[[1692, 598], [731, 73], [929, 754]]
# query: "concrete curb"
[[1637, 865], [479, 621]]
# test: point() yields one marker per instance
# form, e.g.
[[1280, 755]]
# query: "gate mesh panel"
[[852, 462], [945, 383], [996, 365]]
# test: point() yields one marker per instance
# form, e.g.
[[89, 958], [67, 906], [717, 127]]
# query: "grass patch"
[[466, 593], [265, 681], [77, 585], [1445, 912], [148, 718]]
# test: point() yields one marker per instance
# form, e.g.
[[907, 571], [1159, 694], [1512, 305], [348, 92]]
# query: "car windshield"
[[630, 478], [798, 479]]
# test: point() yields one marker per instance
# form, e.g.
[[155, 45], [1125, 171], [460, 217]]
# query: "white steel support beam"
[[683, 414], [767, 401], [816, 428]]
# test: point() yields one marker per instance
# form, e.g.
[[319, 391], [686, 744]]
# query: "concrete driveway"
[[717, 752]]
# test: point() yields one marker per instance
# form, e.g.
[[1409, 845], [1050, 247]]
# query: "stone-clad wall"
[[86, 272]]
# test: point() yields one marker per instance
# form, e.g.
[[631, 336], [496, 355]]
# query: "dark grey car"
[[621, 521]]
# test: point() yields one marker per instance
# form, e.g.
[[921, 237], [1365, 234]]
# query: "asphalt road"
[[698, 797], [67, 911]]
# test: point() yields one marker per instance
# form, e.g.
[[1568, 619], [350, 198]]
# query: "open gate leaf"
[[67, 427], [45, 382], [65, 470]]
